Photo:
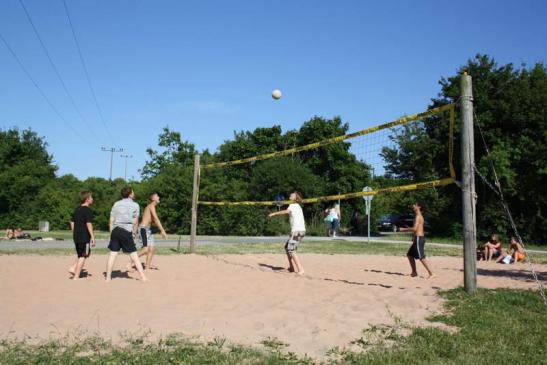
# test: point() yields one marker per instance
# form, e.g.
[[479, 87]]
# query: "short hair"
[[84, 195], [152, 195], [126, 191]]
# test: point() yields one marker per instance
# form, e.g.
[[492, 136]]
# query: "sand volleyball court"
[[243, 298]]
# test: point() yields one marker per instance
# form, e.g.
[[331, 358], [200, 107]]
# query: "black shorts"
[[120, 238], [417, 250], [83, 249]]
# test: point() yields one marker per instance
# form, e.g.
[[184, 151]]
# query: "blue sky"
[[207, 68]]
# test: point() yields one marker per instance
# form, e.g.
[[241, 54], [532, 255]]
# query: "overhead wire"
[[40, 90], [97, 105], [55, 68]]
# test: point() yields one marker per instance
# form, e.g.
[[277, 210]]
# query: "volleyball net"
[[367, 155]]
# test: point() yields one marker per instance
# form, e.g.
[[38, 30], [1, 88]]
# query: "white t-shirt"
[[296, 218]]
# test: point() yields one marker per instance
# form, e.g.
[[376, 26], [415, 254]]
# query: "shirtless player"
[[416, 251], [150, 216]]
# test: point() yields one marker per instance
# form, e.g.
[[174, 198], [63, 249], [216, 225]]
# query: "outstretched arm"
[[281, 212]]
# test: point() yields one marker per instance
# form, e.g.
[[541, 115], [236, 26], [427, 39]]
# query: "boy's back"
[[82, 215]]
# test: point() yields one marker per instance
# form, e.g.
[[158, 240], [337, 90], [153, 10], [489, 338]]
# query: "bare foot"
[[129, 267], [413, 275], [144, 280], [71, 272], [431, 276], [108, 280], [301, 272]]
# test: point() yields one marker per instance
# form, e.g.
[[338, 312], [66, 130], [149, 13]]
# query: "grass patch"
[[322, 247], [492, 327]]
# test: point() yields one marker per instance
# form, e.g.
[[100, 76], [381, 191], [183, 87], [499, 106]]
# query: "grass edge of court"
[[504, 341]]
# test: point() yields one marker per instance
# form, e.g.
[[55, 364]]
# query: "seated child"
[[515, 253], [492, 248]]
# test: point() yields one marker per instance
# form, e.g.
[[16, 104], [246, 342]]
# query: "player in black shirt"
[[82, 232]]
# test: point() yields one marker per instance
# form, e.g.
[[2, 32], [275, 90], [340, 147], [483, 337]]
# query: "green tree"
[[510, 106], [175, 151], [25, 168]]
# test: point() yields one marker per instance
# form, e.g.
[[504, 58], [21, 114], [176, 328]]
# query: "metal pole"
[[195, 193], [111, 150], [126, 157], [111, 160], [468, 186], [368, 226]]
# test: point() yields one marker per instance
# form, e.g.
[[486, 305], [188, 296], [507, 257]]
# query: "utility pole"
[[468, 186], [195, 195], [126, 157], [112, 150]]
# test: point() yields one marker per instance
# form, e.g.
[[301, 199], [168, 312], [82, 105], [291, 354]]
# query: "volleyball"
[[276, 94]]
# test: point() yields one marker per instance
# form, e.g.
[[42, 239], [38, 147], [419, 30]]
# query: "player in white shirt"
[[298, 231]]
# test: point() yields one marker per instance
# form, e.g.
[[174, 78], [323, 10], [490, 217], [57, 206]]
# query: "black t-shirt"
[[82, 215]]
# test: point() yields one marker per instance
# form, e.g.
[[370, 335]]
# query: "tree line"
[[510, 106]]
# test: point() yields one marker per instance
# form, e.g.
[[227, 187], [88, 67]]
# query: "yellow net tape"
[[395, 189], [325, 142]]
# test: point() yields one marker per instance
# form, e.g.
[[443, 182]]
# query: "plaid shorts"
[[294, 240]]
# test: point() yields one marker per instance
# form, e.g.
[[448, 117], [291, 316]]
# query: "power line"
[[55, 68], [40, 90], [86, 72]]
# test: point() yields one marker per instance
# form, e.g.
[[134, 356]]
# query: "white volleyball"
[[276, 94]]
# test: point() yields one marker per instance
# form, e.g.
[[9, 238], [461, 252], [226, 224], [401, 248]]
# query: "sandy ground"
[[244, 298]]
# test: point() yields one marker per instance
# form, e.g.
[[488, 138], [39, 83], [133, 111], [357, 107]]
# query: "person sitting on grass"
[[515, 253], [492, 248], [8, 235], [18, 233]]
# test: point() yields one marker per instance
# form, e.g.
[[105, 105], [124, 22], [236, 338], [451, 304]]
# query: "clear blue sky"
[[207, 68]]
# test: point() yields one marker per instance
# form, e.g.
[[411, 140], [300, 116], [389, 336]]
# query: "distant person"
[[123, 225], [8, 235], [515, 253], [82, 233], [150, 216], [332, 219], [356, 223], [417, 249], [18, 233], [298, 231], [492, 248]]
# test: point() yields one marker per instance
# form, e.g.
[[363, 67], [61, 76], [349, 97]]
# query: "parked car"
[[394, 222]]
